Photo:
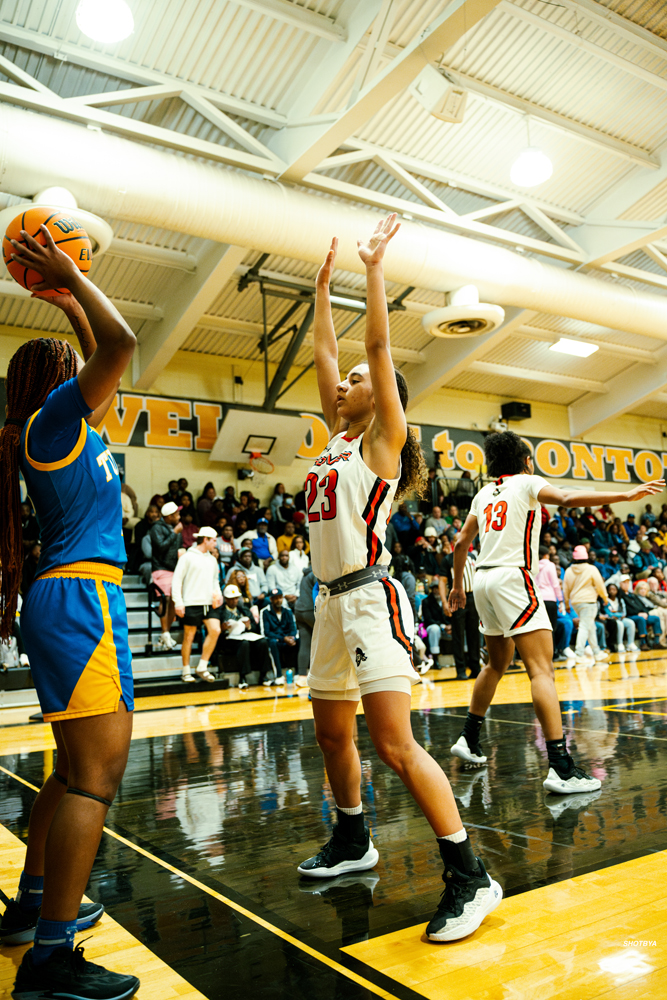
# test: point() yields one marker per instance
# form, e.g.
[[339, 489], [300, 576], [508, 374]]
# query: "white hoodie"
[[196, 580]]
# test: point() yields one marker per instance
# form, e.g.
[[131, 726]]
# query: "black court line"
[[373, 982]]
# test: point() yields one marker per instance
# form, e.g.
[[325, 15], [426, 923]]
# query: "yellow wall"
[[206, 377]]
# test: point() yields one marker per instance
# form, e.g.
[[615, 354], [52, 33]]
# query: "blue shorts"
[[74, 626]]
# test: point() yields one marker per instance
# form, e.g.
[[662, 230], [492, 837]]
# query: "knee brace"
[[59, 777], [89, 795]]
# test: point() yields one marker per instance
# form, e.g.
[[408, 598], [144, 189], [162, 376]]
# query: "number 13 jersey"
[[348, 510], [509, 519]]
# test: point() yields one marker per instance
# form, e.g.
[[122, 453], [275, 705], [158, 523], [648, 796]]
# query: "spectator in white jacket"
[[284, 575], [197, 597]]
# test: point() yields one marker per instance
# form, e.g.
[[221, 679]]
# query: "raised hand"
[[325, 272], [372, 251], [646, 489], [55, 267]]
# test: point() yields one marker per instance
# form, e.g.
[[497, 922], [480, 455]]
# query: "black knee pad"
[[59, 777], [89, 795]]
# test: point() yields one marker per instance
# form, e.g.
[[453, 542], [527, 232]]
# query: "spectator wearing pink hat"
[[582, 586]]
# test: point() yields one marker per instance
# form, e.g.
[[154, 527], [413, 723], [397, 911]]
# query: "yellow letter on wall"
[[588, 461], [163, 430], [207, 415], [120, 431], [619, 458]]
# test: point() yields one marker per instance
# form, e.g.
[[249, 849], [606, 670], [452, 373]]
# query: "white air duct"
[[117, 178]]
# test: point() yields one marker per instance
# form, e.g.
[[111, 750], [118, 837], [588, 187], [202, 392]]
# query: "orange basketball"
[[68, 234]]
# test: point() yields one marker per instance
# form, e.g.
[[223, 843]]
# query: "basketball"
[[68, 234]]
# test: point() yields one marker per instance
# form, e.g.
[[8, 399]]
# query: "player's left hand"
[[646, 490], [180, 612], [372, 251], [217, 602]]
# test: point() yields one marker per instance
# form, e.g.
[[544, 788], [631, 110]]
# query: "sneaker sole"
[[369, 860], [493, 900], [561, 788], [469, 757], [62, 995]]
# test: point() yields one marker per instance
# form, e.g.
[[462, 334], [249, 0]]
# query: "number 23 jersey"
[[509, 519], [348, 510]]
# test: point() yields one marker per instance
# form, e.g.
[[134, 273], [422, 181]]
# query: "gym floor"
[[225, 793]]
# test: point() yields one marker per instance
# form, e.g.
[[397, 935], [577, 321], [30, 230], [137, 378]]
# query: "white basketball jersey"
[[348, 510], [509, 519]]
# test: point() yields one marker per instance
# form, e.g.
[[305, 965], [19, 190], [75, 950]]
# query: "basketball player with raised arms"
[[73, 619], [363, 634], [506, 516]]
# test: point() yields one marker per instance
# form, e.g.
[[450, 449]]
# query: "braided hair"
[[414, 473], [34, 371]]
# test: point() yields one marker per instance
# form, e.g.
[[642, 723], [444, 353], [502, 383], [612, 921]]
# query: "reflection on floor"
[[233, 796]]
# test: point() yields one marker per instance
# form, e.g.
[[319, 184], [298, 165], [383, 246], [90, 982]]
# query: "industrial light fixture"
[[532, 166], [574, 347], [105, 21], [340, 300]]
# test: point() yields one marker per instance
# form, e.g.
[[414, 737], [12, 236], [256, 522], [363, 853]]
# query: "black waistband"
[[352, 581]]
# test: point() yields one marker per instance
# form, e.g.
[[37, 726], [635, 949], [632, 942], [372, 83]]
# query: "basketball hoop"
[[261, 464]]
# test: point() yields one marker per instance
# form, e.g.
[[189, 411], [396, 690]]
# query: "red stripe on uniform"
[[527, 549], [533, 605], [395, 616], [370, 517]]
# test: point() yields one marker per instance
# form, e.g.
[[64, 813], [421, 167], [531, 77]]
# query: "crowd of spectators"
[[601, 577]]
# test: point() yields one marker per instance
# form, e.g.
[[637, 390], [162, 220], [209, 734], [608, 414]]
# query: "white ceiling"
[[593, 76]]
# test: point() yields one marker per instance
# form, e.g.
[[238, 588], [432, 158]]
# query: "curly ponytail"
[[414, 473], [34, 371]]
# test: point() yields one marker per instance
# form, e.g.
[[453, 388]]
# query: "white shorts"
[[508, 602], [362, 643]]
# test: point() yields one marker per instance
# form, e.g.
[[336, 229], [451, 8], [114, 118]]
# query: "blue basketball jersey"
[[73, 482]]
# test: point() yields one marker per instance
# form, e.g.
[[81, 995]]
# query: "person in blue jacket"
[[278, 626]]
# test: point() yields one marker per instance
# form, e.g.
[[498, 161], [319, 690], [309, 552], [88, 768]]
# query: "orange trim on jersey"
[[527, 548], [84, 571], [534, 604], [73, 455], [370, 515], [395, 617]]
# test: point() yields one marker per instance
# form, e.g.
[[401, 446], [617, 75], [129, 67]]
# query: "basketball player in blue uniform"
[[364, 628], [73, 619]]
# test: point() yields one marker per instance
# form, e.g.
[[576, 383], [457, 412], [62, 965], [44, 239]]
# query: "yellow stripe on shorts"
[[85, 571]]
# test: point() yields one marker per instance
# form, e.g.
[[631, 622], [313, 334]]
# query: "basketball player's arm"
[[87, 343], [586, 498], [465, 538], [388, 430], [115, 342], [325, 345]]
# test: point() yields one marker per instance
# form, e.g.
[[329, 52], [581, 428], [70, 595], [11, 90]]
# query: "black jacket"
[[634, 603], [432, 613], [165, 544], [274, 627]]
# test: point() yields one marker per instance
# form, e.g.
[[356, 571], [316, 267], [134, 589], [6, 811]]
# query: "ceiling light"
[[105, 21], [576, 347], [532, 167], [340, 300]]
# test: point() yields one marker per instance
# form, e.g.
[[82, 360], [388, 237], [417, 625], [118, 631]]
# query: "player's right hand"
[[180, 612], [457, 598], [326, 271], [56, 268]]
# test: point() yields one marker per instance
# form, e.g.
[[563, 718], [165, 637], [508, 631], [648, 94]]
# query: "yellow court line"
[[639, 711], [236, 906]]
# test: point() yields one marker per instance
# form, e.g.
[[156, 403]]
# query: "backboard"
[[275, 435]]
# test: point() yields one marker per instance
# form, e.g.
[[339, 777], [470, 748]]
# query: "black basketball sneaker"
[[66, 975], [340, 855], [467, 899]]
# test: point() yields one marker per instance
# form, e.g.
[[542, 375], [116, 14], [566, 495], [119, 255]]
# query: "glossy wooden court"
[[225, 793]]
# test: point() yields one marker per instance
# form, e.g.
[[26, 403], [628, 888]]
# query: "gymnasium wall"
[[205, 377]]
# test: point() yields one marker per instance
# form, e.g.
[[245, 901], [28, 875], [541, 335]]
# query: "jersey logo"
[[107, 460], [360, 656], [328, 460]]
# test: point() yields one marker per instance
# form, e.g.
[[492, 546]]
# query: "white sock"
[[456, 838], [186, 668], [166, 635], [202, 665], [354, 811]]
